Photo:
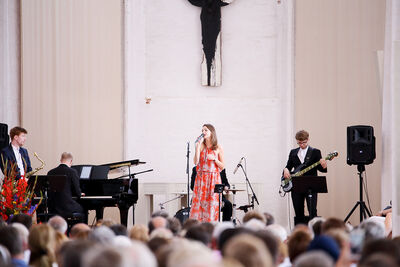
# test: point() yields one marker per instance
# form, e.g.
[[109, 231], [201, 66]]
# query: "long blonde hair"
[[42, 242]]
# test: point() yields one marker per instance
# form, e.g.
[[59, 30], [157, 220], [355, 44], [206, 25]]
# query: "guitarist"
[[300, 158]]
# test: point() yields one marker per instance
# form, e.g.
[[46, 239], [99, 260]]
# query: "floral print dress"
[[205, 202]]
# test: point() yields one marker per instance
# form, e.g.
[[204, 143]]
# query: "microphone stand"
[[163, 203], [187, 172], [253, 197]]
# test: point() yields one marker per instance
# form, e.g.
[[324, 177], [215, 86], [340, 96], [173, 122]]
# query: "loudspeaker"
[[4, 139], [360, 145]]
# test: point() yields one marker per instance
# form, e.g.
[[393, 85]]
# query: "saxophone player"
[[14, 156]]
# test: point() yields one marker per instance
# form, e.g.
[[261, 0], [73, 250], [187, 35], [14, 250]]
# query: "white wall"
[[338, 85], [252, 110], [9, 66], [391, 119]]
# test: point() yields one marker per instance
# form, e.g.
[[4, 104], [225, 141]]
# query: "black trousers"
[[226, 210], [298, 205]]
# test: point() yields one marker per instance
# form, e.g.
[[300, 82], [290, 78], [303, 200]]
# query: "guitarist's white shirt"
[[302, 154]]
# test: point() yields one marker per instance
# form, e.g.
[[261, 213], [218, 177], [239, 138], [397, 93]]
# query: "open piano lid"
[[115, 165]]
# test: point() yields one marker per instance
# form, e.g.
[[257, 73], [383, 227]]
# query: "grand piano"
[[100, 192]]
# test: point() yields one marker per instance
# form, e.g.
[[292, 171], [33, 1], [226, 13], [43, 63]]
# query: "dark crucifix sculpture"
[[211, 29]]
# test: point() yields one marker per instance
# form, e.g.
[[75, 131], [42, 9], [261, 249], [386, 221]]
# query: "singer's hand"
[[211, 157], [198, 144], [286, 173]]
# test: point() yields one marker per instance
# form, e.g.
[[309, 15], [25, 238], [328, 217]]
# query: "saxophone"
[[36, 169]]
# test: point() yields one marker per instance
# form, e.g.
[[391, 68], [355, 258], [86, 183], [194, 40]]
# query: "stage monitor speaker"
[[4, 139], [360, 145]]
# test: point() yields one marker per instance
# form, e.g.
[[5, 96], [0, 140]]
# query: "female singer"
[[209, 161]]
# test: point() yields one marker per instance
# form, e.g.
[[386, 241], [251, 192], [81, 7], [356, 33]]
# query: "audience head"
[[101, 235], [156, 243], [378, 260], [79, 231], [139, 232], [160, 213], [298, 243], [136, 255], [121, 241], [332, 223], [72, 253], [199, 233], [315, 225], [218, 229], [383, 246], [314, 259], [139, 255], [248, 250], [187, 253], [5, 258], [278, 230], [119, 229], [189, 223], [254, 225], [228, 234], [161, 232], [22, 218], [253, 214], [271, 242], [10, 238], [105, 222], [59, 224], [42, 242], [326, 244], [269, 218], [23, 233], [174, 225], [103, 256], [372, 230], [157, 222], [340, 236]]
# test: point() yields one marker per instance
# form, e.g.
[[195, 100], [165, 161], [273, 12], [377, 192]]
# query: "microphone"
[[245, 208], [238, 165], [198, 138]]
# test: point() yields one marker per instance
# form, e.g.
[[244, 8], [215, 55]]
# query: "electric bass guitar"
[[287, 185]]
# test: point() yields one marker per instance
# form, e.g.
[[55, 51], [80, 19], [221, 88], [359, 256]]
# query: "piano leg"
[[123, 212]]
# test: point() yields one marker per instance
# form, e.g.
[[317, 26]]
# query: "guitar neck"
[[300, 173]]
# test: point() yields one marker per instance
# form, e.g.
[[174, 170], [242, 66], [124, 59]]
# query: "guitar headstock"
[[332, 155]]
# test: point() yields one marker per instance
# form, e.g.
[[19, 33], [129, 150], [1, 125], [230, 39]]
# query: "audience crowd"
[[257, 242]]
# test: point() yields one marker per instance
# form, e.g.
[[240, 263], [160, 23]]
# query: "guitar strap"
[[308, 156]]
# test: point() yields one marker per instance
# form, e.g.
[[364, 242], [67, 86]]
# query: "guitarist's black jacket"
[[313, 155]]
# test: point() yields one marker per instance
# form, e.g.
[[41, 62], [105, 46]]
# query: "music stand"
[[309, 185], [46, 184], [219, 188]]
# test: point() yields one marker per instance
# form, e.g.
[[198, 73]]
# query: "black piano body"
[[101, 192], [121, 193]]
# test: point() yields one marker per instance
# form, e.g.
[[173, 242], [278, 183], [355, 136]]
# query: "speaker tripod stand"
[[364, 211]]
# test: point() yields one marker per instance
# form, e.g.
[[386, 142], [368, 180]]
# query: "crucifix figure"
[[211, 30]]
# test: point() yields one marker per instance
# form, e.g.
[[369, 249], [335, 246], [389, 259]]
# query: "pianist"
[[62, 203]]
